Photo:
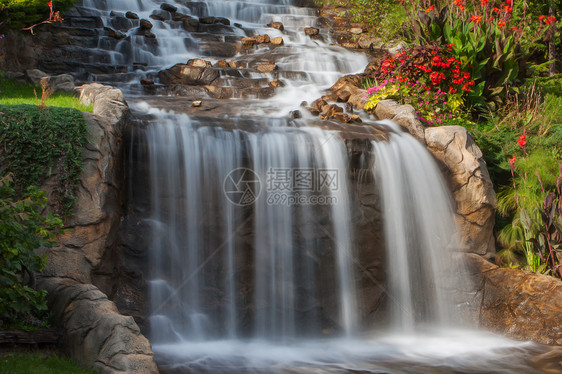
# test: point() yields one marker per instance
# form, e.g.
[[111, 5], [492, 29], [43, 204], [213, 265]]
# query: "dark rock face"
[[188, 75]]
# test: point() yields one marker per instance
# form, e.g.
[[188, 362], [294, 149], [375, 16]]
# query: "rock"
[[394, 47], [146, 82], [249, 41], [178, 17], [277, 41], [311, 31], [196, 103], [150, 35], [59, 83], [214, 20], [35, 75], [222, 64], [350, 45], [316, 107], [190, 24], [262, 38], [517, 303], [188, 75], [276, 83], [404, 115], [471, 185], [233, 65], [356, 30], [145, 24], [330, 109], [168, 8], [276, 25], [157, 16], [131, 15], [197, 62], [368, 42], [114, 34], [346, 87], [267, 67], [295, 114]]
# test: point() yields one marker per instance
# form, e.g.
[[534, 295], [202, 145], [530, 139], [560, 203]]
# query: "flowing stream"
[[255, 262]]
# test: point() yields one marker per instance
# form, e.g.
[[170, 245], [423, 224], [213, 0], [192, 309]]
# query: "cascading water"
[[255, 262]]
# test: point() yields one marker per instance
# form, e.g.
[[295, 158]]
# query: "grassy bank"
[[38, 363]]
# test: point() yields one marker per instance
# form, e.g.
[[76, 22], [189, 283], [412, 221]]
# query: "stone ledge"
[[94, 332]]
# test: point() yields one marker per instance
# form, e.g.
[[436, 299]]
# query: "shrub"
[[16, 14], [38, 143], [22, 230]]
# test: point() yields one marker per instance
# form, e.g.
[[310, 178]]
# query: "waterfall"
[[252, 220]]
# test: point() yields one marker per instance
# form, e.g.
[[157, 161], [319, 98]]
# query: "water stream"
[[255, 263]]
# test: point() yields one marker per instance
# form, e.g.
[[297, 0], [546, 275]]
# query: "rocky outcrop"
[[520, 304], [94, 332], [470, 183]]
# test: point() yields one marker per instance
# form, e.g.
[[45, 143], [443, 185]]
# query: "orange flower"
[[476, 19], [431, 8], [501, 24], [507, 8]]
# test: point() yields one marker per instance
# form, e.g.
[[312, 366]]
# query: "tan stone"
[[277, 41], [267, 67], [471, 185], [277, 25], [311, 31]]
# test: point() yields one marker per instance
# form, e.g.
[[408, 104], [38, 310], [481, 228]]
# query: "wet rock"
[[14, 75], [196, 103], [311, 31], [356, 30], [349, 45], [249, 41], [34, 76], [145, 24], [276, 83], [59, 83], [221, 63], [330, 109], [256, 39], [277, 41], [233, 65], [131, 15], [214, 20], [347, 87], [295, 114], [120, 23], [317, 105], [158, 16], [178, 17], [197, 62], [276, 25], [168, 8], [190, 24], [470, 182], [146, 82], [188, 75], [114, 34], [518, 303], [267, 67], [150, 35]]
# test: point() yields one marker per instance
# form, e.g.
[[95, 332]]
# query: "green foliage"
[[22, 230], [38, 143], [15, 14], [13, 92], [37, 363]]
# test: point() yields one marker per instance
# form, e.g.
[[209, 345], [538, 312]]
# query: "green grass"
[[38, 363], [13, 92]]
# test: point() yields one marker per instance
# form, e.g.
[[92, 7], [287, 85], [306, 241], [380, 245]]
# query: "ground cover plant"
[[38, 363]]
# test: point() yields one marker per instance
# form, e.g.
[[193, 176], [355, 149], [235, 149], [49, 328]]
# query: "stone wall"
[[94, 332]]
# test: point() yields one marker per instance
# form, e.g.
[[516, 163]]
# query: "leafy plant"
[[16, 14], [39, 143], [22, 230]]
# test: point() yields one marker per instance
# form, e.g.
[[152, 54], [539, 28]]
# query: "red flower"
[[512, 161], [496, 10], [550, 20], [507, 8], [431, 8], [541, 18], [501, 24], [476, 19], [522, 140], [484, 2], [50, 4]]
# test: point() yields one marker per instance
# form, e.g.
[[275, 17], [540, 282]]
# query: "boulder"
[[168, 8], [311, 31], [59, 83], [277, 41], [158, 16], [276, 25], [276, 83], [356, 30], [267, 67], [222, 64], [34, 76], [190, 24], [197, 62], [471, 185], [131, 15], [146, 82], [149, 35], [517, 303], [404, 115], [188, 75], [214, 20], [114, 34], [145, 24]]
